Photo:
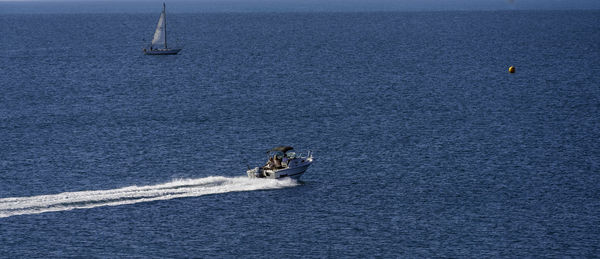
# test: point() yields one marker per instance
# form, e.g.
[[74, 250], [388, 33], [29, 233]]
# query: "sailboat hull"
[[161, 51]]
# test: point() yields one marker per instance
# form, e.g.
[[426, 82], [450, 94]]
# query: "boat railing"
[[309, 154]]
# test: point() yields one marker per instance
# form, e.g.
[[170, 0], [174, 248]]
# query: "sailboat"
[[159, 42]]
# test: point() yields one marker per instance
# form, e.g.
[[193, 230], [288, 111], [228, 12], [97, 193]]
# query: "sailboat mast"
[[165, 15]]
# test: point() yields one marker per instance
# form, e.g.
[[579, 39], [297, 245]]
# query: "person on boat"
[[285, 160], [269, 164], [276, 162]]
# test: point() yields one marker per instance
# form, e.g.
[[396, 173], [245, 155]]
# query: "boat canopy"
[[281, 148]]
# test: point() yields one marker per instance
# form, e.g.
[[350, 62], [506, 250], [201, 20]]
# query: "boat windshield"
[[291, 155], [277, 154]]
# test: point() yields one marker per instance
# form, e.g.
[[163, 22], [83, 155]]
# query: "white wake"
[[135, 194]]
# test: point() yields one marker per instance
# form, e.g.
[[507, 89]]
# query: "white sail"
[[160, 39]]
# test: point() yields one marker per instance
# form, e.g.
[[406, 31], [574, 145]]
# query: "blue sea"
[[424, 144]]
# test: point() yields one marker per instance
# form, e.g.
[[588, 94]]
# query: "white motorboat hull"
[[293, 172]]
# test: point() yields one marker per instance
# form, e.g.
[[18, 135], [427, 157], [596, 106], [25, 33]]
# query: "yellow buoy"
[[511, 69]]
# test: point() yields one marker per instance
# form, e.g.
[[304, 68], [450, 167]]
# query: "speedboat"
[[282, 163]]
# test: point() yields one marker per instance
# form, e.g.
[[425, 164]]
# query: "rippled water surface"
[[424, 144]]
